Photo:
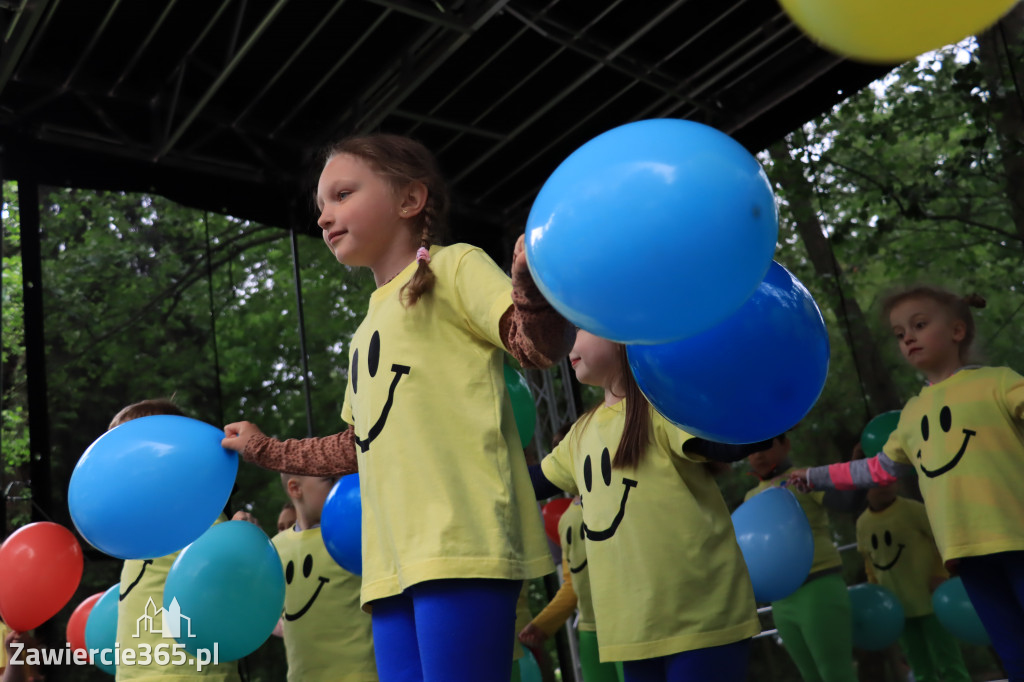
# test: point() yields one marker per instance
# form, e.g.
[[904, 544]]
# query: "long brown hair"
[[401, 160], [636, 433], [959, 308]]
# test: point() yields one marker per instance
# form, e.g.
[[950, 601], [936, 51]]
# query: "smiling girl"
[[964, 435], [450, 528]]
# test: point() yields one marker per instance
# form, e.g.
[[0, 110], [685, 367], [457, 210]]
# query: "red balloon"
[[552, 512], [79, 617], [41, 565]]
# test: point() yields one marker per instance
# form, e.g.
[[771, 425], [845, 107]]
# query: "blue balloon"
[[775, 537], [652, 231], [101, 629], [878, 617], [529, 669], [225, 592], [955, 611], [151, 486], [341, 524], [748, 379]]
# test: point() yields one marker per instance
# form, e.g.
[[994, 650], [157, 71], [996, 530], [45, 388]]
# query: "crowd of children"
[[450, 523]]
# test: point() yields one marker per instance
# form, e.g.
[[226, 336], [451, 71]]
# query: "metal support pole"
[[302, 332]]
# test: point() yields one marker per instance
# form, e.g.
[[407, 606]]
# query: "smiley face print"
[[881, 550], [939, 443], [289, 576], [576, 550], [595, 488], [372, 361], [142, 572]]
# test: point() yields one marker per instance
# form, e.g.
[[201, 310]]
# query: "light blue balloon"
[[652, 231], [151, 486], [748, 379], [529, 669], [341, 524], [226, 589], [878, 617], [775, 537], [955, 611], [101, 629]]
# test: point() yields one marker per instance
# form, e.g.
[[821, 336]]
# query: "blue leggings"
[[447, 631], [726, 663], [995, 584]]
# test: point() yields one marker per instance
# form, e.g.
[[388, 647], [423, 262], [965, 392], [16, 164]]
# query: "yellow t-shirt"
[[574, 549], [3, 650], [826, 555], [327, 637], [900, 554], [142, 581], [666, 573], [444, 484], [965, 438]]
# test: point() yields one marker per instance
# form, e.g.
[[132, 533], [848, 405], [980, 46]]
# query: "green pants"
[[932, 651], [593, 669], [816, 626]]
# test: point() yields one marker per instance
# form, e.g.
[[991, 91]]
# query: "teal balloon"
[[652, 231], [151, 486], [955, 611], [341, 524], [101, 628], [878, 617], [529, 670], [775, 537], [523, 407], [225, 590], [877, 432]]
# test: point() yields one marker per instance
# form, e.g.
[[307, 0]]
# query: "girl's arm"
[[330, 456], [860, 473], [542, 487], [533, 331], [558, 610]]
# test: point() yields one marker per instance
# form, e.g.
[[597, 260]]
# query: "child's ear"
[[294, 489], [959, 330], [412, 199]]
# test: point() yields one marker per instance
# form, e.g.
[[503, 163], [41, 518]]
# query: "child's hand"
[[934, 582], [532, 635], [519, 255], [858, 452], [798, 480], [245, 516], [238, 434]]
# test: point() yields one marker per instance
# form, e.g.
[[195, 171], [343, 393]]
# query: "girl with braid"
[[450, 528]]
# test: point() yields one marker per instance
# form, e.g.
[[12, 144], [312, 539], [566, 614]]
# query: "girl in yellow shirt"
[[670, 591]]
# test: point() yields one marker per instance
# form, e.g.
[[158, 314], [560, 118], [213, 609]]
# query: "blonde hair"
[[401, 160], [959, 307], [145, 408]]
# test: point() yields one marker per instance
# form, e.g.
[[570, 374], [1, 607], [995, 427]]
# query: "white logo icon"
[[171, 621]]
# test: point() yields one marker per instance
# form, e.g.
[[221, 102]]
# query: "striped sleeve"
[[860, 473]]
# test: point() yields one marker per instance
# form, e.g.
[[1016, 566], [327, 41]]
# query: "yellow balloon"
[[890, 31]]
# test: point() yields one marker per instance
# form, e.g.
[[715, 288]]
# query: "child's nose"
[[323, 221]]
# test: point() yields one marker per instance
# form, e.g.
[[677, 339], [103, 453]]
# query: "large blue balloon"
[[101, 630], [341, 524], [151, 486], [955, 611], [226, 589], [775, 538], [748, 379], [878, 617], [652, 231]]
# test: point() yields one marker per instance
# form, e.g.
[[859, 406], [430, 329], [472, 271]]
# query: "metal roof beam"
[[17, 37], [418, 12], [93, 42], [228, 70], [142, 47]]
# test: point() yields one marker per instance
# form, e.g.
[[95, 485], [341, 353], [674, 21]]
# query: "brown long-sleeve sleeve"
[[330, 456], [534, 332]]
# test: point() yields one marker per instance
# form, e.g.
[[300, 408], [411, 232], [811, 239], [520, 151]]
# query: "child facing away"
[[671, 594], [327, 637], [450, 527], [964, 435], [142, 592], [814, 622], [896, 541]]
